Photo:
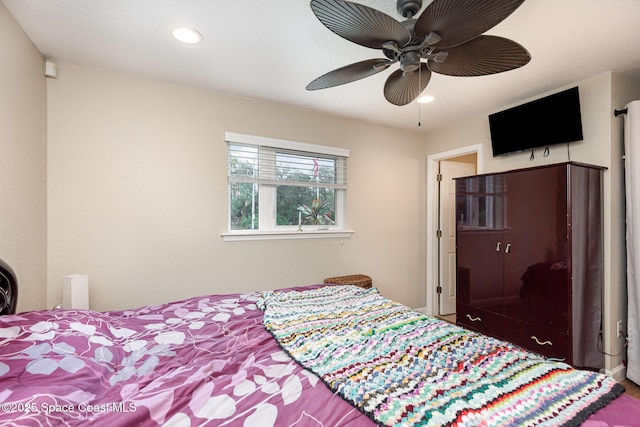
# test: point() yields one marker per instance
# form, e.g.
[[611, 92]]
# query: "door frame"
[[432, 215]]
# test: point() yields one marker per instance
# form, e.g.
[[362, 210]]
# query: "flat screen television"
[[553, 119]]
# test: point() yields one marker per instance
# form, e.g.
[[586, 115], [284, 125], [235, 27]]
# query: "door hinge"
[[439, 289], [439, 177], [439, 234]]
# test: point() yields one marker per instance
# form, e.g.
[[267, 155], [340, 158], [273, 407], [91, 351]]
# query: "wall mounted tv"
[[554, 119]]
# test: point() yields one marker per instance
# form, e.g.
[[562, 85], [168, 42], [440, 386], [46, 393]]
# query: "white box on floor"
[[75, 291]]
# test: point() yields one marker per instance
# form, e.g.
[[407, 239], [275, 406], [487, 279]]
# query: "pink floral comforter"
[[202, 361]]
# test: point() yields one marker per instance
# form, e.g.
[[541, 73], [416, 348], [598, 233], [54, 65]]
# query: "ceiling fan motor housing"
[[410, 61], [409, 8]]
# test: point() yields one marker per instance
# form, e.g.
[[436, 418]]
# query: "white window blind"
[[278, 162], [266, 165]]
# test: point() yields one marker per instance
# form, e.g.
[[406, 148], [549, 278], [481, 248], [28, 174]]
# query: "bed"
[[225, 360]]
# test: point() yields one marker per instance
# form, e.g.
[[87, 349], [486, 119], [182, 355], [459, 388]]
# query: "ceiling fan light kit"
[[447, 38]]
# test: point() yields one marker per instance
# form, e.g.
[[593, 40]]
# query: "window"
[[284, 188], [482, 203]]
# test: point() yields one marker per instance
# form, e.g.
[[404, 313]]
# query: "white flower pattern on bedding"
[[202, 361]]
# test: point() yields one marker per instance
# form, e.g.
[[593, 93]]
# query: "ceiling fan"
[[448, 35]]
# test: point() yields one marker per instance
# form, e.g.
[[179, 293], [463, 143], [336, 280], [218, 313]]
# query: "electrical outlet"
[[619, 328]]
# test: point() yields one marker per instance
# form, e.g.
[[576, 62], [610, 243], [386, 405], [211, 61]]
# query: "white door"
[[449, 170]]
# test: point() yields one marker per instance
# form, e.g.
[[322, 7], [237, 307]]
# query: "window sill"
[[286, 235]]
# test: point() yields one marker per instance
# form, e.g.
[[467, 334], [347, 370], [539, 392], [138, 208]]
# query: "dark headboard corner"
[[8, 289]]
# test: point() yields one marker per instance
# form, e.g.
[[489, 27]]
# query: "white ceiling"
[[271, 49]]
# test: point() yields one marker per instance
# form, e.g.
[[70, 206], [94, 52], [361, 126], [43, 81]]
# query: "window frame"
[[267, 196]]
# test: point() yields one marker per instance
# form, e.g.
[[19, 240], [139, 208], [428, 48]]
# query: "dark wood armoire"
[[529, 258]]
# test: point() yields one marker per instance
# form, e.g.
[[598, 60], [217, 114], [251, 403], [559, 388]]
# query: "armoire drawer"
[[539, 340], [479, 320]]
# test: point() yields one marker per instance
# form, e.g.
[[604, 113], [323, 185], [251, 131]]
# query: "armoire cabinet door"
[[536, 279], [479, 239]]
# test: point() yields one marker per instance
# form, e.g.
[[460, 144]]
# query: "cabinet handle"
[[507, 249], [473, 319], [498, 247], [533, 337]]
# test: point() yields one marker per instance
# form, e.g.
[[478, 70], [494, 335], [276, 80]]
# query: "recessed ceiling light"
[[425, 99], [187, 35]]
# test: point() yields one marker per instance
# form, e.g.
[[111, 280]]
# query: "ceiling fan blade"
[[360, 24], [458, 21], [349, 73], [401, 88], [482, 56]]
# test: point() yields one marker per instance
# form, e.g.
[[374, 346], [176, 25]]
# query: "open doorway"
[[449, 169], [442, 168]]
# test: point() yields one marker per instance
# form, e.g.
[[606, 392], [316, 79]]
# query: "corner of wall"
[[23, 165]]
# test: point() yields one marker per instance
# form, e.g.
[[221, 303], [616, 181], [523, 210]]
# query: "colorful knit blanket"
[[403, 368]]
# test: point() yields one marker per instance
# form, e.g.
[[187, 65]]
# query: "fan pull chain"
[[419, 103]]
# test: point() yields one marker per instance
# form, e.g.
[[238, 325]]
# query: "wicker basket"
[[354, 279]]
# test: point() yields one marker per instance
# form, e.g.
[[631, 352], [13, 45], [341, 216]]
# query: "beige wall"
[[137, 195], [601, 146], [23, 157]]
